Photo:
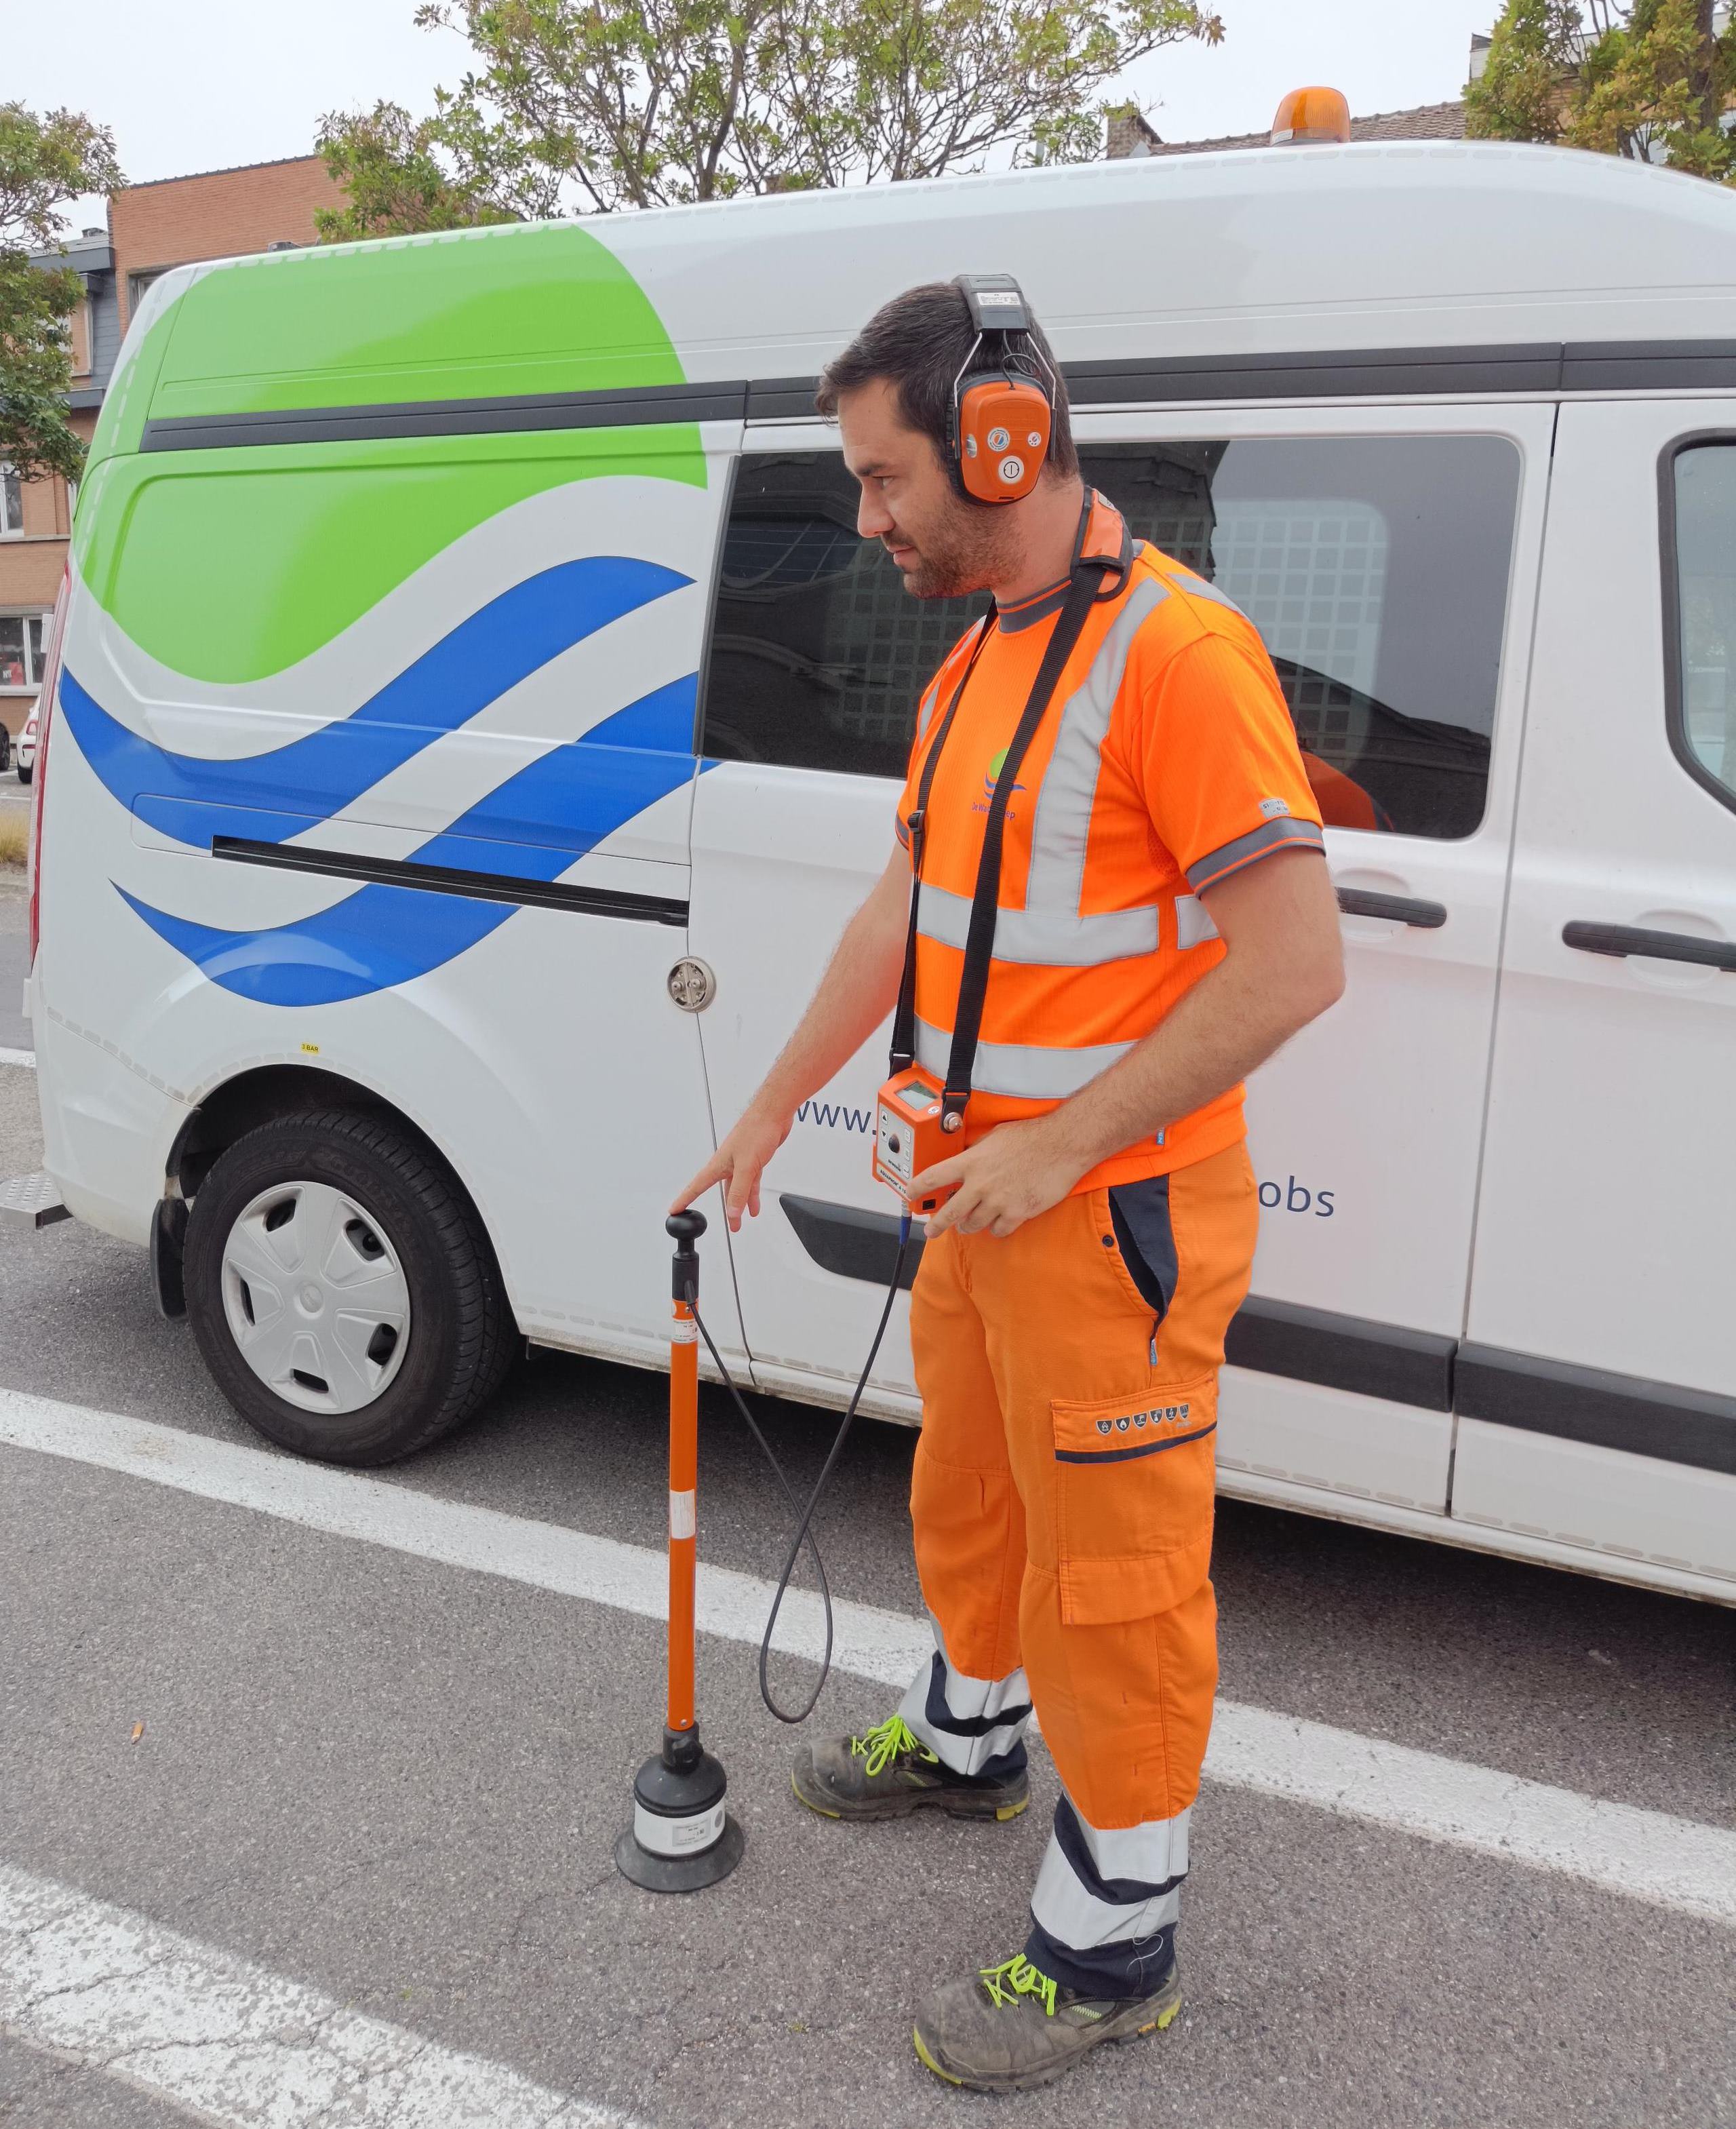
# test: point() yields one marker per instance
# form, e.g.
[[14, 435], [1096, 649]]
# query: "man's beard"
[[970, 551]]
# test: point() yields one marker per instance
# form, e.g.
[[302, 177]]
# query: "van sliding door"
[[1598, 1384], [1389, 558]]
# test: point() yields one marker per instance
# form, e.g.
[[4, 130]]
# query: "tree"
[[1651, 80], [393, 178], [1519, 96], [44, 162], [1655, 85], [601, 104]]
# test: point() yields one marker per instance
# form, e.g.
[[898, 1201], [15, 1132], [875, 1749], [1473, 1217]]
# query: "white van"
[[477, 718]]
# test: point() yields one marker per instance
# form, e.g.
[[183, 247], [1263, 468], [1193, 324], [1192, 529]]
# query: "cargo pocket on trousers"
[[1134, 1498]]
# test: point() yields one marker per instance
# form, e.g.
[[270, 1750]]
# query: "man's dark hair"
[[918, 343]]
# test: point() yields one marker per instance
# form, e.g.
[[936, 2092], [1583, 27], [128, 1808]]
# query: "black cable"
[[804, 1534]]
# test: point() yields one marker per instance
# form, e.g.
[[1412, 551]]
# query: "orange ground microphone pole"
[[682, 1837]]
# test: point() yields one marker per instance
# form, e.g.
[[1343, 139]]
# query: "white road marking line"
[[1648, 1856], [243, 2046], [28, 1058]]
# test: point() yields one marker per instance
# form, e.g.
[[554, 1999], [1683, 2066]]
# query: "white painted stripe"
[[26, 1058], [242, 2047], [871, 1644], [1648, 1856]]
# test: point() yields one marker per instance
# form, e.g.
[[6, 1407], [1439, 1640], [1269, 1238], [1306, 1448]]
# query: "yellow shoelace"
[[886, 1740], [1017, 1977]]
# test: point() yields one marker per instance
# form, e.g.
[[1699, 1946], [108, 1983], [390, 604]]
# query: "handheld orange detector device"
[[908, 1137]]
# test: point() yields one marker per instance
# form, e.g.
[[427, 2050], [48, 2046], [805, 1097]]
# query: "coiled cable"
[[804, 1531]]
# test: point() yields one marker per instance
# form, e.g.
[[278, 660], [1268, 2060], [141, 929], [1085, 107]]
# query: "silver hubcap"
[[317, 1302]]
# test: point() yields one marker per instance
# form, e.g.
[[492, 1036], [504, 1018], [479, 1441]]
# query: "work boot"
[[1010, 2026], [890, 1773]]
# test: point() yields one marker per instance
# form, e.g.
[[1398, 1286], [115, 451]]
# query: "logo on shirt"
[[991, 779], [1274, 808]]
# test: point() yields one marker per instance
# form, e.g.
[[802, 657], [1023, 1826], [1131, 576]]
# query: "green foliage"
[[1651, 81], [44, 162], [394, 184], [1532, 54], [1660, 81], [595, 105]]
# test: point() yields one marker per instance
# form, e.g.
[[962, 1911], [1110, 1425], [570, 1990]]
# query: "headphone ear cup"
[[1003, 426]]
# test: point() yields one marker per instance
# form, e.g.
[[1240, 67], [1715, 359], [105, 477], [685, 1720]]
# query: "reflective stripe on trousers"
[[1098, 1888]]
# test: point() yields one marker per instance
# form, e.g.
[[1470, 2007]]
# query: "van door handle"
[[1401, 909], [1620, 939]]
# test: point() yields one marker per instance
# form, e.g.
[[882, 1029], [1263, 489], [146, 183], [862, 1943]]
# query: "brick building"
[[173, 222]]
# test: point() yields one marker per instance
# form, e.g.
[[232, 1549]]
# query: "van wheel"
[[24, 774], [342, 1289]]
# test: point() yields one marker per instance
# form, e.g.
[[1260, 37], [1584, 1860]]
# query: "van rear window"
[[1703, 679], [1375, 568]]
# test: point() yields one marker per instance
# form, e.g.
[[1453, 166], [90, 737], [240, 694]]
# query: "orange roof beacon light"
[[1312, 114]]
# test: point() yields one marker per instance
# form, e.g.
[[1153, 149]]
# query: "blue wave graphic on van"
[[191, 799], [534, 826]]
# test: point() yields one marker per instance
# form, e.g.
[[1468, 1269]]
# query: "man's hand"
[[1018, 1171], [737, 1165]]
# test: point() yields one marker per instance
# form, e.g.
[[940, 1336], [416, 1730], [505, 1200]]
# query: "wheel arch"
[[259, 1095]]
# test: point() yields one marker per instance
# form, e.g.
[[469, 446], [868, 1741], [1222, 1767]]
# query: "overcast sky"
[[200, 84]]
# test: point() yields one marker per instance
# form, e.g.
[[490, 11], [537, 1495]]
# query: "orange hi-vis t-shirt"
[[1165, 761]]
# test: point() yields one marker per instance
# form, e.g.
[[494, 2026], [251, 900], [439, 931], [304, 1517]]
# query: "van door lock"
[[692, 985]]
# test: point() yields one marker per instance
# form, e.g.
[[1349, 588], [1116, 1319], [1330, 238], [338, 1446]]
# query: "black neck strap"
[[1085, 588], [904, 1019]]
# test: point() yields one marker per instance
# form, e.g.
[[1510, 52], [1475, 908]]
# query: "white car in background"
[[26, 754]]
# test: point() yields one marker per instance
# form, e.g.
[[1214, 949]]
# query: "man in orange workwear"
[[1162, 922]]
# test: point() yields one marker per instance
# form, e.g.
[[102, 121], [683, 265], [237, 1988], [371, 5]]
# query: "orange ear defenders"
[[1004, 398]]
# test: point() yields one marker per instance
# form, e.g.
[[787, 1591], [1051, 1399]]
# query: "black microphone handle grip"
[[684, 1229]]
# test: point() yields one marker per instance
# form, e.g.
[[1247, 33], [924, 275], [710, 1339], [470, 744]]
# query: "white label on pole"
[[683, 1520], [684, 1331]]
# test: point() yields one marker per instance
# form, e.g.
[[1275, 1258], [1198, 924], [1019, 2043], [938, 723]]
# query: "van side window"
[[1375, 568], [1703, 678]]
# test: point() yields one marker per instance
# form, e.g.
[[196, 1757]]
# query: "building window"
[[136, 285], [23, 641], [1704, 685], [12, 502], [1375, 568], [80, 325]]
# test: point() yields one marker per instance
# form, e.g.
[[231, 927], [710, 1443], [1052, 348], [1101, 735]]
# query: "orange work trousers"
[[1063, 1491]]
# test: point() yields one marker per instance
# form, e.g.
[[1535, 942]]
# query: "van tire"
[[460, 1337], [24, 774]]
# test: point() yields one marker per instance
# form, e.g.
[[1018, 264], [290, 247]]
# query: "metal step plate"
[[31, 1201]]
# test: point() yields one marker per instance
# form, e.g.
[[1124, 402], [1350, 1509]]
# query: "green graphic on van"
[[229, 566]]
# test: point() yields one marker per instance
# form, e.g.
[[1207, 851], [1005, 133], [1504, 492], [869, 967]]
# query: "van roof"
[[1386, 244]]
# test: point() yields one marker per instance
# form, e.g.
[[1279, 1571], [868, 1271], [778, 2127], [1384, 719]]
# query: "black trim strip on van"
[[1630, 1413], [1422, 1369], [449, 879], [1543, 366], [451, 417], [1343, 1353]]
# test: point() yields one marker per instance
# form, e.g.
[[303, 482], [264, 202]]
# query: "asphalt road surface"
[[371, 1809]]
